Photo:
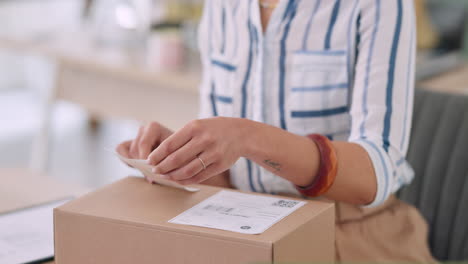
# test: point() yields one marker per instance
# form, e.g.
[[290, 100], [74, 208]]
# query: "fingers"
[[182, 156], [188, 171], [134, 146], [193, 168], [150, 137], [124, 148], [147, 138], [210, 171], [171, 144]]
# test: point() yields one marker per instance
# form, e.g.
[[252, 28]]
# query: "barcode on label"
[[284, 203], [218, 208]]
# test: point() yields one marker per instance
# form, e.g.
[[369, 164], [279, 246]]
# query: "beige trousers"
[[392, 232]]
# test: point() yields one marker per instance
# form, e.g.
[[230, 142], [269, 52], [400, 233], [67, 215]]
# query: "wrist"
[[248, 137], [325, 175]]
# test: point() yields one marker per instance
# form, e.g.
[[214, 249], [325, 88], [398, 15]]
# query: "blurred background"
[[79, 76]]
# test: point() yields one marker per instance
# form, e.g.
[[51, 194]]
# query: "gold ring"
[[202, 163]]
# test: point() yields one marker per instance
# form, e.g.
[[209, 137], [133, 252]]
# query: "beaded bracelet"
[[327, 171]]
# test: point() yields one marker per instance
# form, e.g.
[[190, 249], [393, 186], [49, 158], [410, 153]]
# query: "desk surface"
[[78, 49], [102, 79], [22, 188], [455, 81]]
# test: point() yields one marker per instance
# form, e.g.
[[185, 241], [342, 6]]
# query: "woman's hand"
[[148, 138], [214, 143]]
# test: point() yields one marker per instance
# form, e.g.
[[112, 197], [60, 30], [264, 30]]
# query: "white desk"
[[454, 81], [21, 188], [107, 83]]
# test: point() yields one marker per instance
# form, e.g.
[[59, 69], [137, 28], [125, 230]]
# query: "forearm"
[[287, 155], [297, 159], [355, 180]]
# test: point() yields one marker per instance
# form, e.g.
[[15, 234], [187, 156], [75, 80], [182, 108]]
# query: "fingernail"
[[154, 170], [165, 177]]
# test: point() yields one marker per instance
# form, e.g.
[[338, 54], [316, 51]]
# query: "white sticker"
[[238, 212], [145, 168]]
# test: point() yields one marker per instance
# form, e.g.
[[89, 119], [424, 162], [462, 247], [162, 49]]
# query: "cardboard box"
[[126, 222]]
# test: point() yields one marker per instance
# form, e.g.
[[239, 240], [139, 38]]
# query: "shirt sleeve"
[[382, 97], [204, 46]]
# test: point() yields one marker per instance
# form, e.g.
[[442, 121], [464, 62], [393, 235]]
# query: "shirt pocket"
[[318, 93], [223, 81]]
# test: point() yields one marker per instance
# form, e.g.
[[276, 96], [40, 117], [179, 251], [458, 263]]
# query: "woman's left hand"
[[201, 149]]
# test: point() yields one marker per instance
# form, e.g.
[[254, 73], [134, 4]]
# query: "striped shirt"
[[341, 68]]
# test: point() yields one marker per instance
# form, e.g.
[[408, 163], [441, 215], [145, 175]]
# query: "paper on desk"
[[238, 212], [27, 235], [145, 168]]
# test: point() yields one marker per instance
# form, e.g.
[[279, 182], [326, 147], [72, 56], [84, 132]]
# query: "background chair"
[[438, 153]]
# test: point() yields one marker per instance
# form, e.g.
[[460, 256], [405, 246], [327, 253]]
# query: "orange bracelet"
[[327, 171]]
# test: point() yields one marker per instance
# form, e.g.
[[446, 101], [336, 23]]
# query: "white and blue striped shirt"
[[341, 68]]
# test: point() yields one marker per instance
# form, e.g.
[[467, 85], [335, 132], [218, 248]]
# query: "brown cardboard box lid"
[[135, 202]]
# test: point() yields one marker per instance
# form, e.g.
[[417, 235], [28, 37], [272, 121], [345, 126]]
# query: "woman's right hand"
[[148, 138]]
